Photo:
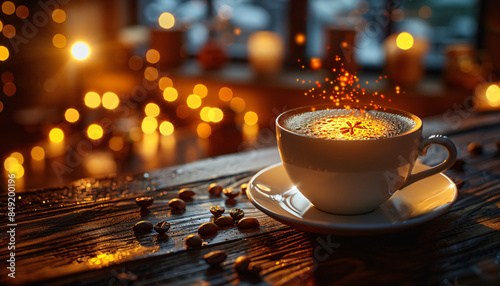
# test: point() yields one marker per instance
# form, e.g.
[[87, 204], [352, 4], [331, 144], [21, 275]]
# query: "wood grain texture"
[[81, 234]]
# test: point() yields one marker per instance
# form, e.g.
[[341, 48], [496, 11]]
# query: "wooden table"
[[81, 233]]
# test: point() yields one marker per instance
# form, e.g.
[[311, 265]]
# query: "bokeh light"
[[95, 132], [200, 90], [425, 12], [166, 128], [18, 156], [9, 89], [22, 12], [71, 115], [152, 110], [225, 94], [237, 104], [9, 31], [1, 106], [92, 99], [1, 26], [493, 94], [37, 153], [59, 16], [165, 82], [204, 113], [7, 77], [170, 94], [153, 56], [80, 51], [404, 41], [116, 143], [300, 39], [166, 20], [149, 125], [193, 101], [9, 162], [203, 130], [56, 135], [151, 73], [110, 100], [251, 118], [17, 169], [8, 8], [315, 63], [215, 115], [59, 41], [135, 63], [4, 53]]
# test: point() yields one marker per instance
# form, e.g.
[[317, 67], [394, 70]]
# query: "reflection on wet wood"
[[82, 233]]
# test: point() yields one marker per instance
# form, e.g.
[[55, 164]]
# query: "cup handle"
[[452, 156]]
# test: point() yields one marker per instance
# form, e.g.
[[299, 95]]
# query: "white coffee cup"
[[355, 176]]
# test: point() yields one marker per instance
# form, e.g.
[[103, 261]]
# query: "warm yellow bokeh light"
[[204, 113], [92, 99], [18, 156], [37, 153], [170, 94], [300, 39], [9, 162], [18, 170], [59, 41], [166, 128], [215, 115], [237, 104], [4, 53], [22, 12], [193, 101], [165, 82], [404, 41], [152, 110], [166, 20], [110, 100], [251, 118], [95, 132], [80, 51], [151, 73], [71, 115], [200, 90], [8, 8], [9, 31], [1, 26], [56, 135], [59, 16], [149, 125], [116, 143], [225, 94], [493, 94], [204, 130], [153, 56]]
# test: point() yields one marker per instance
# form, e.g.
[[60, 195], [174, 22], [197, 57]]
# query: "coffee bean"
[[194, 241], [248, 223], [177, 204], [458, 165], [215, 257], [254, 269], [208, 229], [224, 221], [475, 148], [243, 188], [144, 202], [230, 193], [185, 194], [241, 264], [236, 213], [217, 210], [142, 226], [214, 189], [162, 227]]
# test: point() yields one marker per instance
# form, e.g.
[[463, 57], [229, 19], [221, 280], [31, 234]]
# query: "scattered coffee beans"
[[177, 204], [144, 202], [475, 148], [215, 257], [224, 221], [162, 227], [248, 223], [185, 194], [194, 241], [217, 210], [458, 165], [243, 188], [142, 226], [241, 264], [208, 229], [214, 189], [236, 213], [230, 193]]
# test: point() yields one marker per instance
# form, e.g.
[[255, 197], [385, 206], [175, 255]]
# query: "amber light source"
[[80, 51]]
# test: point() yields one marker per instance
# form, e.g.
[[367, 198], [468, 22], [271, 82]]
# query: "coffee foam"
[[349, 124]]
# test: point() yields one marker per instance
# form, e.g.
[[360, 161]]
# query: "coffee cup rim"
[[308, 108]]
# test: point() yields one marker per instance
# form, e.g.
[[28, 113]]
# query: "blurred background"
[[92, 88]]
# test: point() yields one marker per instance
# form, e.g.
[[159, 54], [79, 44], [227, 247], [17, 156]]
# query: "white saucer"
[[271, 191]]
